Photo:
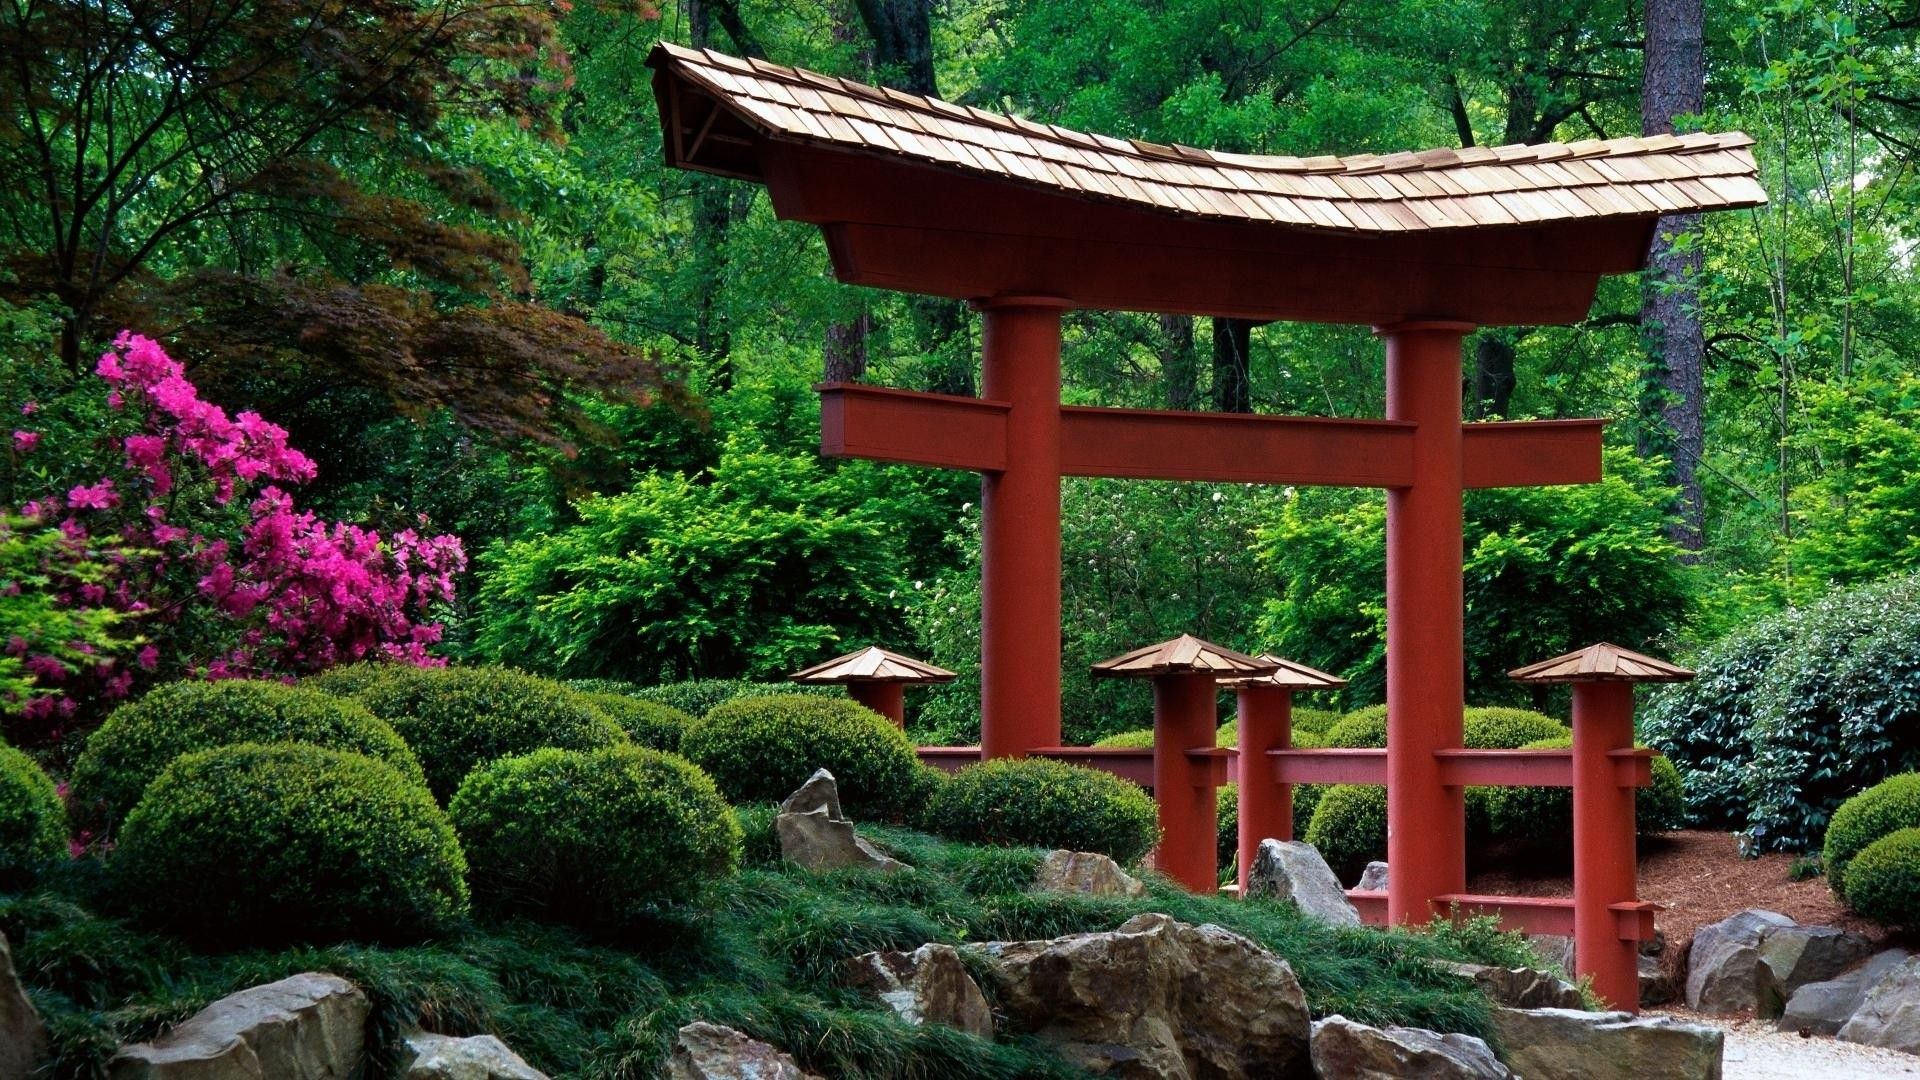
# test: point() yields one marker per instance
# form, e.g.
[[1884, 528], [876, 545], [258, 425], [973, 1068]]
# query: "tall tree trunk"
[[1493, 377], [715, 207], [1232, 372], [846, 350], [1179, 361], [1673, 82]]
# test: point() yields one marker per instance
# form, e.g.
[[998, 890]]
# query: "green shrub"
[[698, 697], [1703, 726], [33, 824], [1883, 881], [458, 718], [350, 679], [1305, 738], [759, 749], [1034, 802], [1362, 729], [1499, 728], [1662, 806], [255, 844], [1349, 827], [143, 737], [647, 723], [1229, 735], [1886, 807], [1136, 739], [593, 837]]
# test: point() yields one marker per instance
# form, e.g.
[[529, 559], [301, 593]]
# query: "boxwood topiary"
[[143, 737], [593, 837], [458, 718], [1034, 802], [1362, 729], [1883, 880], [1349, 827], [1492, 727], [1890, 805], [698, 697], [33, 824], [257, 844], [350, 679], [647, 723], [759, 749]]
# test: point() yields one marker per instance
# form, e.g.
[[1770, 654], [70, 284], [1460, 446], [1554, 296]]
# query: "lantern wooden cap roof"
[[1288, 675], [872, 664], [1601, 663], [1406, 192], [1185, 654]]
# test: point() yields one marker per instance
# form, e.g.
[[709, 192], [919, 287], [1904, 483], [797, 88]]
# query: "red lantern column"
[[1020, 531], [1426, 820], [1266, 807], [1603, 842], [1183, 720], [889, 699]]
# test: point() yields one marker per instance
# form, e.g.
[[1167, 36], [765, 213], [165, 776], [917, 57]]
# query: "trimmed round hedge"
[[593, 837], [647, 723], [259, 844], [1362, 729], [698, 697], [759, 749], [1883, 880], [350, 679], [143, 737], [1349, 827], [1034, 802], [1890, 805], [1494, 727], [33, 824], [459, 718]]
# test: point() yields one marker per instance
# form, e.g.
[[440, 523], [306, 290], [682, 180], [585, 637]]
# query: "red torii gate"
[[1027, 220]]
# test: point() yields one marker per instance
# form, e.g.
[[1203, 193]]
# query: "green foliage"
[[1543, 816], [32, 555], [141, 738], [458, 718], [698, 697], [1362, 729], [1034, 802], [1859, 519], [1229, 735], [1136, 739], [647, 723], [1889, 806], [1883, 881], [1349, 827], [267, 843], [593, 837], [349, 680], [33, 823], [759, 749], [1495, 728]]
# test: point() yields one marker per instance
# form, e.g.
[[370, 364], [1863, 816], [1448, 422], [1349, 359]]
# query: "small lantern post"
[[875, 678], [1187, 767], [1606, 772], [1265, 720]]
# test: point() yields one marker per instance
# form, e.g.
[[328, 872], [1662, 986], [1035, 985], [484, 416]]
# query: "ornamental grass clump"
[[143, 737], [1886, 807], [593, 837], [459, 718], [1034, 802], [759, 749], [260, 844], [1883, 880], [33, 823]]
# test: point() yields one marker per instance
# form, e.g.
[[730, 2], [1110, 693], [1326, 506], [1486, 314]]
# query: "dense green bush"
[[143, 737], [349, 679], [1498, 728], [1889, 806], [1035, 802], [1349, 827], [1883, 882], [593, 837], [759, 749], [458, 718], [1361, 729], [1703, 725], [33, 824], [647, 723], [259, 843], [698, 697]]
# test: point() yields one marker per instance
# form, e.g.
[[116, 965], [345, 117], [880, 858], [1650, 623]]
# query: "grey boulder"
[[929, 985], [1725, 971], [1797, 955], [23, 1035], [1890, 1015], [1344, 1050], [478, 1057], [1823, 1008], [1374, 877], [1294, 872], [815, 834], [1518, 988], [1566, 1044], [1088, 873], [304, 1027], [703, 1051], [1656, 986]]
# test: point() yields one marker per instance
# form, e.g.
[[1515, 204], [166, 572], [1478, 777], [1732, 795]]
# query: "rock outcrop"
[[1890, 1015], [1518, 988], [703, 1051], [1345, 1050], [929, 985], [1088, 873], [815, 834], [23, 1035], [478, 1057], [1294, 872], [304, 1027], [1566, 1044], [1157, 999], [1823, 1008]]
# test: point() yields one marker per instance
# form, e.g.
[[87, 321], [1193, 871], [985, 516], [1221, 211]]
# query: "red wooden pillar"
[[1604, 873], [889, 699], [1426, 819], [1265, 721], [1020, 531], [1183, 784]]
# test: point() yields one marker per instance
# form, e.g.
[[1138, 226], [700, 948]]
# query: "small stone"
[[23, 1035], [816, 835], [478, 1057], [1725, 973], [929, 985], [1890, 1015], [1293, 871], [1374, 877], [1088, 873], [1822, 1008], [703, 1051], [1350, 1051], [305, 1027], [820, 792], [1566, 1044], [1518, 988]]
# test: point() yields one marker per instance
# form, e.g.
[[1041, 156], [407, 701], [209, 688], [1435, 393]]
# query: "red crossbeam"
[[1329, 766], [1530, 453]]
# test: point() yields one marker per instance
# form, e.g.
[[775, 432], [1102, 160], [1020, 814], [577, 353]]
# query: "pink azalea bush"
[[210, 561]]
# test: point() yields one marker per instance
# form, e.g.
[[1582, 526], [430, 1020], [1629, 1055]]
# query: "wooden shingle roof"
[[1601, 663], [1401, 193], [1289, 675], [872, 664], [1184, 654]]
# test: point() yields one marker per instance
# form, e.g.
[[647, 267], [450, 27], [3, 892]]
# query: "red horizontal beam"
[[1530, 453], [1216, 763], [1127, 763], [1329, 766], [1235, 447], [1506, 768], [1371, 904], [949, 758], [1526, 914], [913, 428]]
